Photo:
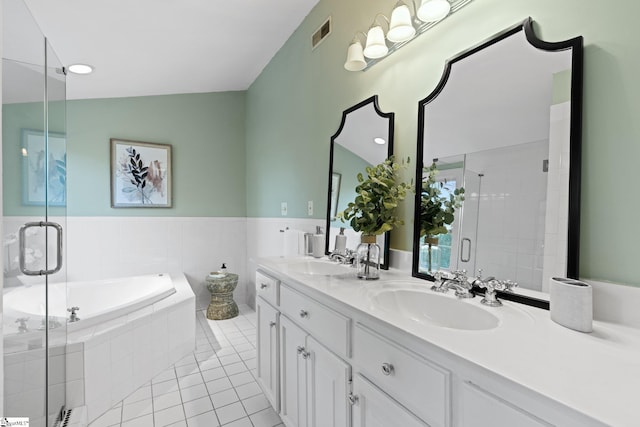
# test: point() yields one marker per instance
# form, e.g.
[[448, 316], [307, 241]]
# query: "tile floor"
[[213, 386]]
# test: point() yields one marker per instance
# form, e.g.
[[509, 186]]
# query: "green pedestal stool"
[[221, 287]]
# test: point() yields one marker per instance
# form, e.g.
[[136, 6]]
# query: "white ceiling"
[[152, 47]]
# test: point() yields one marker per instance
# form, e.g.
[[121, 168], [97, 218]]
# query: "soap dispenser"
[[341, 243], [318, 243]]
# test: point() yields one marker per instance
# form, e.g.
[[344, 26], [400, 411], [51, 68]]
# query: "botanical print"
[[141, 174], [44, 168]]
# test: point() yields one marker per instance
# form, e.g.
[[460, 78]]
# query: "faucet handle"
[[508, 285]]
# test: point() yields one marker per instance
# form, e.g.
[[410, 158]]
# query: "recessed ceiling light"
[[80, 69], [379, 141]]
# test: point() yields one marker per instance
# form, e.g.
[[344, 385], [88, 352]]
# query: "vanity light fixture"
[[376, 46], [379, 141], [355, 55], [80, 69], [433, 10], [403, 27]]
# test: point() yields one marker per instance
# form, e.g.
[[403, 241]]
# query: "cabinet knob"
[[387, 368], [305, 354], [300, 349], [304, 313], [272, 324], [263, 286], [353, 399]]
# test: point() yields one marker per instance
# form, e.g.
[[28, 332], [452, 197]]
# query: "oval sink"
[[319, 268], [434, 309]]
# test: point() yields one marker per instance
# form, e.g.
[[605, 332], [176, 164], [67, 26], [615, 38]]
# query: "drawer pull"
[[304, 313], [263, 286], [272, 324], [387, 368], [352, 398]]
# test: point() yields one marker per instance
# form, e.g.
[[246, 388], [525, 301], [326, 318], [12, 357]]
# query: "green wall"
[[206, 132], [295, 106]]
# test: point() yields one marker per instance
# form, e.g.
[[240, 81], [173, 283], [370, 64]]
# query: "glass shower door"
[[33, 145]]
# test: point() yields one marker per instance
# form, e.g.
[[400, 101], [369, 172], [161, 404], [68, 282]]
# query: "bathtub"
[[130, 330], [99, 300]]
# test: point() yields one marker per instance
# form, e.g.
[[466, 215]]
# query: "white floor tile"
[[197, 407], [168, 416], [183, 371], [248, 355], [228, 360], [224, 398], [255, 404], [265, 418], [144, 421], [138, 395], [248, 390], [109, 418], [213, 374], [242, 378], [167, 375], [218, 385], [166, 400], [208, 419], [242, 422], [164, 387], [195, 392], [136, 409], [235, 368], [229, 413], [210, 363], [190, 380]]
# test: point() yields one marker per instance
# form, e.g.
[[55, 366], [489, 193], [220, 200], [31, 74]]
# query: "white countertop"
[[597, 373]]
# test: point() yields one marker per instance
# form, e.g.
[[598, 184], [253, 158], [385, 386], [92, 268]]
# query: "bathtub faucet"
[[73, 317]]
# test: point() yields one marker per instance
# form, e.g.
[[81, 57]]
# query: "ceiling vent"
[[321, 33]]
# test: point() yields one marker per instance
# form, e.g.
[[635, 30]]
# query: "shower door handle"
[[462, 257], [22, 256]]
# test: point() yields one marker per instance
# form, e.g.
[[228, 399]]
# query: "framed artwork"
[[140, 174], [44, 172], [335, 193]]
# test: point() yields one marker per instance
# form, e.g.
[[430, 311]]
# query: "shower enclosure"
[[34, 216]]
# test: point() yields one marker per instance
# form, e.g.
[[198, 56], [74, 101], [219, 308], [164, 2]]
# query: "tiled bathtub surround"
[[213, 386], [109, 247]]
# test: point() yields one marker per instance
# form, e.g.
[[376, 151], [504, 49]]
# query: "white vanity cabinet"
[[267, 341]]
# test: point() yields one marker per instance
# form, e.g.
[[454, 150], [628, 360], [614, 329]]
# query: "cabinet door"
[[481, 408], [327, 387], [293, 380], [267, 341], [373, 408]]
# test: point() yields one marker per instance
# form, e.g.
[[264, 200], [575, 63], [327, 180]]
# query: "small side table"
[[221, 287]]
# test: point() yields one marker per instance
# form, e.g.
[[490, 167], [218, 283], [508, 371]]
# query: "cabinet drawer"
[[267, 288], [327, 326], [421, 386]]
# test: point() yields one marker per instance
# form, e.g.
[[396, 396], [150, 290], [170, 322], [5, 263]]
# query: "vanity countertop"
[[597, 374]]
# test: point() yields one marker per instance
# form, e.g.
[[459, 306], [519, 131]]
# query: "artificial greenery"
[[437, 210], [373, 211]]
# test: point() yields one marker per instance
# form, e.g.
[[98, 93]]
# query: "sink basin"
[[319, 268], [427, 308]]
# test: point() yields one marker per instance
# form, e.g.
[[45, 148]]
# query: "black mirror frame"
[[575, 146], [391, 116]]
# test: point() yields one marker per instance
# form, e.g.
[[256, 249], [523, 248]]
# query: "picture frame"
[[44, 176], [140, 174], [335, 193]]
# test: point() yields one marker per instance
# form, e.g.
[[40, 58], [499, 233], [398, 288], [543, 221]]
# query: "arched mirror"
[[504, 123], [364, 138]]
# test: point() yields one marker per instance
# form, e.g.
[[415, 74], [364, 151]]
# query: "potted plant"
[[374, 211], [437, 212]]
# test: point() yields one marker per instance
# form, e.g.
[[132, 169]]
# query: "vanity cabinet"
[[267, 341], [373, 408]]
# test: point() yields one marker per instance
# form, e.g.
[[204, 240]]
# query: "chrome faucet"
[[491, 284], [348, 257], [457, 281], [73, 317]]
